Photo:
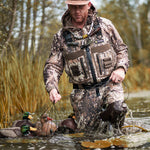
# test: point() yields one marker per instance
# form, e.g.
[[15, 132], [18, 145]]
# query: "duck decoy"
[[27, 130], [45, 126], [68, 125], [11, 132], [14, 132], [25, 120], [18, 125]]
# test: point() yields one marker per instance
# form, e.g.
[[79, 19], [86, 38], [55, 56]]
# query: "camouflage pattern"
[[88, 107], [77, 62], [57, 61], [86, 103]]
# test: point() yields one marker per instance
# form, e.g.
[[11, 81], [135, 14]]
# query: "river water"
[[140, 108]]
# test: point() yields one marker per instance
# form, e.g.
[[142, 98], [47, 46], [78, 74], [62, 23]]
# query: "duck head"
[[68, 125], [26, 129], [45, 118], [46, 127], [27, 115]]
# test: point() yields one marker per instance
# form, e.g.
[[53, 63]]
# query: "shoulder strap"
[[67, 36], [96, 26]]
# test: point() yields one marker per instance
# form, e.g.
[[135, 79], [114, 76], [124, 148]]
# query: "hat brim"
[[76, 2]]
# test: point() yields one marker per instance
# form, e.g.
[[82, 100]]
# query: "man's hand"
[[54, 96], [118, 75]]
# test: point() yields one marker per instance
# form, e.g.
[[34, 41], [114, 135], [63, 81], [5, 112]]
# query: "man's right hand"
[[54, 96]]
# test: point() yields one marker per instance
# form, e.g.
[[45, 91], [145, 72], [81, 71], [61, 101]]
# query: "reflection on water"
[[141, 112], [140, 107]]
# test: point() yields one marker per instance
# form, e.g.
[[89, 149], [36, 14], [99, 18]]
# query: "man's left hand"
[[118, 75]]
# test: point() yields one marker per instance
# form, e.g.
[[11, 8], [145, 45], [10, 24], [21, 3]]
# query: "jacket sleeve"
[[54, 65], [120, 48]]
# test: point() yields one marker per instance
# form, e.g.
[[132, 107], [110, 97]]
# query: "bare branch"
[[11, 27]]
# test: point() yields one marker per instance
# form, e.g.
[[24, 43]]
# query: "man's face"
[[79, 13]]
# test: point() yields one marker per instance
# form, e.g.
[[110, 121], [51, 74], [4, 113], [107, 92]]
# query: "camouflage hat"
[[77, 2]]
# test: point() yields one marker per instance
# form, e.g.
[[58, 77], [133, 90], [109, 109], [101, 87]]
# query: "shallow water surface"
[[141, 112]]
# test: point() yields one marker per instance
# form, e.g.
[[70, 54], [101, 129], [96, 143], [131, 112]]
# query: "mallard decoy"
[[26, 120], [11, 132], [68, 125], [14, 132], [45, 126], [27, 130]]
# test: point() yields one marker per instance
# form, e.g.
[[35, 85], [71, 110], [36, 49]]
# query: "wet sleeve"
[[120, 48], [54, 65]]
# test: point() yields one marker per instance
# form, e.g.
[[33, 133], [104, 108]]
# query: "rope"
[[55, 112], [126, 87]]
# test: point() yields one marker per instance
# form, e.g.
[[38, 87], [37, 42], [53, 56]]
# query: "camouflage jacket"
[[88, 55]]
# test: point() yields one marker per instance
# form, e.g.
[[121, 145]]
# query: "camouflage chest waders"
[[89, 56], [92, 60], [90, 109]]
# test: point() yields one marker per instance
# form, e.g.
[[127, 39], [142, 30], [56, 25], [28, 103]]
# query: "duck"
[[16, 129], [27, 130], [68, 125], [25, 121], [25, 127], [45, 127], [14, 132]]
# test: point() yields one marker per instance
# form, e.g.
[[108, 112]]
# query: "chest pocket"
[[105, 59], [76, 66]]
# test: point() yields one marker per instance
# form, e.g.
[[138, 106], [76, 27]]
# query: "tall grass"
[[22, 87], [138, 78]]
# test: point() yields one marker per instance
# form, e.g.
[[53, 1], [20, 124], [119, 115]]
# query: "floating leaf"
[[96, 144], [119, 142], [75, 135], [143, 129]]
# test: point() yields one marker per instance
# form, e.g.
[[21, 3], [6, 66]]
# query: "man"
[[95, 59]]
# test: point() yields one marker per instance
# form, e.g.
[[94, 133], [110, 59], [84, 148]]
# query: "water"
[[141, 113]]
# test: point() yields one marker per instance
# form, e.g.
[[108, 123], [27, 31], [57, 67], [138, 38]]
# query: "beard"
[[79, 19]]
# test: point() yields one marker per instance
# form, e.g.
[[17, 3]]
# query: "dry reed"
[[22, 87]]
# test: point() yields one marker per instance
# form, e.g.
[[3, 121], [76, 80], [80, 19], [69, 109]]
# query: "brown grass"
[[22, 87]]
